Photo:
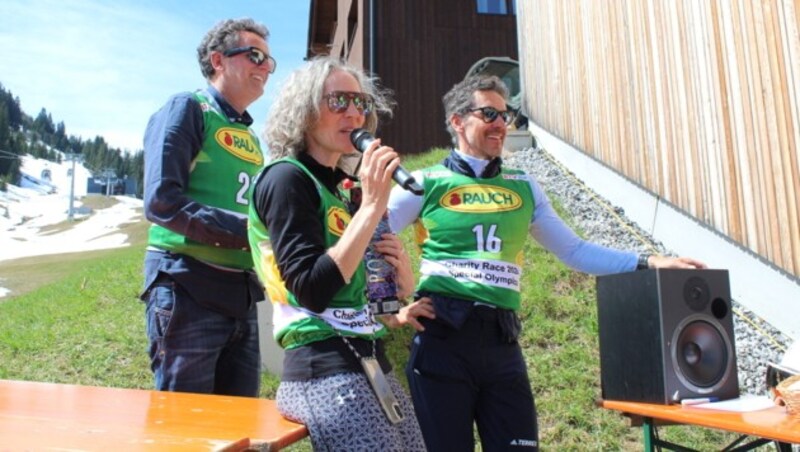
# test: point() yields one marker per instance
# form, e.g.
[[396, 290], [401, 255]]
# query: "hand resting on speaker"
[[658, 261]]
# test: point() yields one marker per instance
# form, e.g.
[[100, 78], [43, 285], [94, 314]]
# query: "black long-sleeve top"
[[287, 202]]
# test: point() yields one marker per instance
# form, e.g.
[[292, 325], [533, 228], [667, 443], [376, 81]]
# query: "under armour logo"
[[349, 396]]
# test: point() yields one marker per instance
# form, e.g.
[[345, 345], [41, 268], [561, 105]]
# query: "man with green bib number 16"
[[466, 366]]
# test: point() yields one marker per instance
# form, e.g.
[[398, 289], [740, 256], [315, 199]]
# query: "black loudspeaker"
[[666, 335]]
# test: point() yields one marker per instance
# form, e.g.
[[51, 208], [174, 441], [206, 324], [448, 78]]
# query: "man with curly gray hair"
[[200, 157]]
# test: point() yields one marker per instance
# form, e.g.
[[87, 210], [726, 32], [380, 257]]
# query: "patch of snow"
[[25, 211]]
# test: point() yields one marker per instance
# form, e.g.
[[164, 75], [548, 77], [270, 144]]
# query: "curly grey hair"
[[223, 36], [297, 106], [459, 100]]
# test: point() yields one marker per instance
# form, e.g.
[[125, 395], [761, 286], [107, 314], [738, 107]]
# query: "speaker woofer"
[[701, 353]]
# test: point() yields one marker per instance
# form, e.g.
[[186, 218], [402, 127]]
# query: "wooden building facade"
[[418, 48], [697, 101]]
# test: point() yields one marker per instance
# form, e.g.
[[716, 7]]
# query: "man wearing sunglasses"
[[200, 158], [466, 366]]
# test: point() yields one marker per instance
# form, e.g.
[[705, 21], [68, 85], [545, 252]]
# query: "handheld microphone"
[[362, 139]]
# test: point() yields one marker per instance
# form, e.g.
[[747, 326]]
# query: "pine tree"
[[44, 123], [5, 127], [61, 142]]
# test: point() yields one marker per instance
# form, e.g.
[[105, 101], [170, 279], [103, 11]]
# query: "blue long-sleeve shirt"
[[172, 140], [546, 227]]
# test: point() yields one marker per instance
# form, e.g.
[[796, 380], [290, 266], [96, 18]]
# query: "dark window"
[[503, 7]]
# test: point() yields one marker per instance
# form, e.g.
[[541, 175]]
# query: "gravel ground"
[[601, 222]]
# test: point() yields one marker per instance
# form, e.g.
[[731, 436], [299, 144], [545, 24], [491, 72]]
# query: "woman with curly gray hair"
[[308, 250]]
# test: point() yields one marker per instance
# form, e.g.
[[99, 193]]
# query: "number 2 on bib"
[[244, 187]]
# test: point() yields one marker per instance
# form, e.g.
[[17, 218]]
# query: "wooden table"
[[37, 416], [772, 424]]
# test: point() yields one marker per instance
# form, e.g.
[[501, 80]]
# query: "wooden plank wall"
[[696, 100]]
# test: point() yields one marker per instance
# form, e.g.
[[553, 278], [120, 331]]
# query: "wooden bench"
[[35, 416], [773, 424]]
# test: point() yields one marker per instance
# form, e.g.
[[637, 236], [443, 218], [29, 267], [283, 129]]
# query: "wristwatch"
[[641, 263]]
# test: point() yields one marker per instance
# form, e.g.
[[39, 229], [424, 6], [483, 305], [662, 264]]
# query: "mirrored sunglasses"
[[254, 54], [490, 114], [338, 101]]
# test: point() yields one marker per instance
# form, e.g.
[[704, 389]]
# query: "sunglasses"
[[254, 54], [338, 101], [490, 114]]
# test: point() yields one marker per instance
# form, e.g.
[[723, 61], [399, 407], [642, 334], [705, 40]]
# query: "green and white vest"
[[348, 311], [221, 176], [471, 232]]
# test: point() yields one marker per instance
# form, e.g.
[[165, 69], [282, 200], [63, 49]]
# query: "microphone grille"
[[360, 139]]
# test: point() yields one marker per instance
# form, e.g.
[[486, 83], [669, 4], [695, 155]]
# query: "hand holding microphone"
[[361, 139]]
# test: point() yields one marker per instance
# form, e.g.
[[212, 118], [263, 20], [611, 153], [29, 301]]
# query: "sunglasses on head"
[[338, 101], [254, 54], [490, 114]]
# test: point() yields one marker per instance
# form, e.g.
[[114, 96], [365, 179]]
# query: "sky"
[[103, 67]]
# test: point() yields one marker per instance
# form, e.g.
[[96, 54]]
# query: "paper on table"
[[740, 405]]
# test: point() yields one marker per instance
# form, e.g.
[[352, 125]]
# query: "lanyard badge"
[[381, 388]]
